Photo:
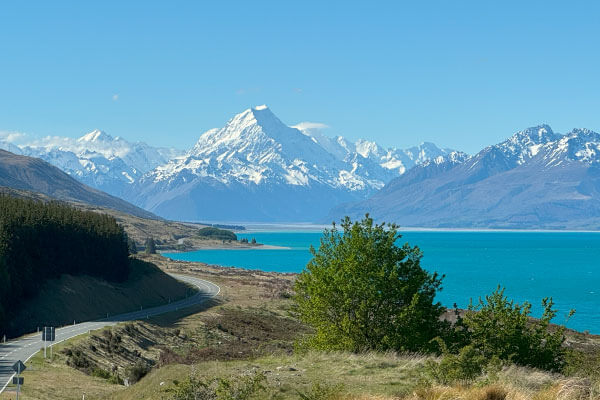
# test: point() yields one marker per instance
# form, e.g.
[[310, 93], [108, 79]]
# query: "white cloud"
[[115, 97], [11, 137], [310, 125]]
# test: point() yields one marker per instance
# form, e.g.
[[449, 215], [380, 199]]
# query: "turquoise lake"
[[531, 265]]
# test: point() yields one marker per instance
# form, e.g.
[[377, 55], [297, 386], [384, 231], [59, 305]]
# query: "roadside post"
[[48, 335], [18, 367]]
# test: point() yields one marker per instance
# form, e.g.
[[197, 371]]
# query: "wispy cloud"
[[115, 97], [310, 125], [12, 137]]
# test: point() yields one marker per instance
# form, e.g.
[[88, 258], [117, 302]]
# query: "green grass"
[[53, 379]]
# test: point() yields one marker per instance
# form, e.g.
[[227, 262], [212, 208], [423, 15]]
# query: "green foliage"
[[136, 372], [253, 241], [131, 246], [101, 373], [150, 246], [503, 329], [361, 291], [320, 391], [41, 241], [216, 233], [583, 363], [463, 367], [239, 388]]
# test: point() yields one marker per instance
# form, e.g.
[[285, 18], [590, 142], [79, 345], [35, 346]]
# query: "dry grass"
[[249, 329]]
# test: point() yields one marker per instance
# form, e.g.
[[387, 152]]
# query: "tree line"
[[41, 241]]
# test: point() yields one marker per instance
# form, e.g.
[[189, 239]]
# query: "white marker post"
[[48, 335]]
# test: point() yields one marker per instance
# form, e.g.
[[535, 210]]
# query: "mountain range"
[[258, 169], [110, 164], [536, 179], [255, 168]]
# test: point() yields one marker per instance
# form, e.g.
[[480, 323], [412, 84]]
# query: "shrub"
[[150, 246], [503, 329], [131, 246], [463, 367], [320, 391], [100, 373], [238, 388], [136, 372], [361, 291]]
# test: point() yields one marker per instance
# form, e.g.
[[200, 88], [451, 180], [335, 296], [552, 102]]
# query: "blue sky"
[[458, 73]]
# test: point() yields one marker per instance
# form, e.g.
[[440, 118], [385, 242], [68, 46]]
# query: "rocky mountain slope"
[[32, 174], [534, 179]]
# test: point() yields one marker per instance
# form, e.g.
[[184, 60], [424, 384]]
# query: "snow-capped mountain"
[[97, 159], [256, 168], [534, 179], [394, 160]]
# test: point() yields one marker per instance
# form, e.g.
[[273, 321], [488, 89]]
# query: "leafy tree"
[[253, 241], [150, 246], [363, 291], [131, 246], [503, 329]]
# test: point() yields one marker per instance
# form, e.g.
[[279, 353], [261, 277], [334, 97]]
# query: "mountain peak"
[[96, 136], [539, 134]]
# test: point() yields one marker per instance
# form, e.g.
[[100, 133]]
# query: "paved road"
[[26, 347]]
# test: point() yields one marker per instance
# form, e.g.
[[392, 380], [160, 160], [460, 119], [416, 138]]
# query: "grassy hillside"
[[82, 298], [250, 331]]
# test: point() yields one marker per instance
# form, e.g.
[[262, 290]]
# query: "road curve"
[[26, 347]]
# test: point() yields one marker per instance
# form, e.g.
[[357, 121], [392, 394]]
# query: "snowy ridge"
[[97, 159], [535, 179], [255, 147]]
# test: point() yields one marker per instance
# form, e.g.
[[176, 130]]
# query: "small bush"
[[503, 329], [100, 373], [463, 367], [150, 246], [136, 372], [237, 388], [320, 391]]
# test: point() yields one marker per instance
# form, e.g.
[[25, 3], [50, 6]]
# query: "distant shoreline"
[[256, 247], [257, 228]]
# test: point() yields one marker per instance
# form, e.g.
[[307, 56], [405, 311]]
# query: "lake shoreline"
[[313, 229], [225, 247]]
